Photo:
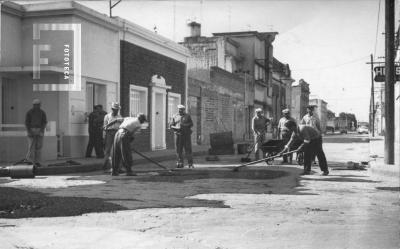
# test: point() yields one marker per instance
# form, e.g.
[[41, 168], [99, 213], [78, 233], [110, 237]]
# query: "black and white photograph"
[[200, 124]]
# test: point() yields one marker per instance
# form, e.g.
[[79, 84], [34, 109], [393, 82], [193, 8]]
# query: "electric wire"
[[377, 27]]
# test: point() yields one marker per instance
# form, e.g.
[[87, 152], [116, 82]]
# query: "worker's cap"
[[181, 107], [115, 105], [285, 111], [36, 102], [258, 110]]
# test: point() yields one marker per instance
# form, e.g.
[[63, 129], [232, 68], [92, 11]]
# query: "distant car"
[[362, 130], [343, 131]]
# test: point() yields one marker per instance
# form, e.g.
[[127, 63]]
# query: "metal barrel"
[[22, 171], [4, 172]]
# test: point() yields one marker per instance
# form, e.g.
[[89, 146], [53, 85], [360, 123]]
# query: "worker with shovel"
[[259, 125], [312, 145], [121, 150], [182, 124], [285, 130]]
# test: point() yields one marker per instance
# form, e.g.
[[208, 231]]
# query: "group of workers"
[[119, 133], [110, 135], [308, 133]]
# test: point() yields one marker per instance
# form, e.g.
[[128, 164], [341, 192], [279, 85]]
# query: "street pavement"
[[213, 207]]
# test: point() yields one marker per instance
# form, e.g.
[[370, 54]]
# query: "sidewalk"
[[377, 165], [95, 164]]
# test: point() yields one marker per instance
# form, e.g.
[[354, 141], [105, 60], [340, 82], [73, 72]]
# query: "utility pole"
[[372, 124], [389, 81], [113, 5]]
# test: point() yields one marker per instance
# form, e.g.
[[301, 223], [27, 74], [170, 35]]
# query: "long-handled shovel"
[[151, 160], [247, 159], [264, 159]]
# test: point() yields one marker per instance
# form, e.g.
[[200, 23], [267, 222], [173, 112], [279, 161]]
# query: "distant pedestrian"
[[181, 124], [35, 123], [121, 150], [285, 131], [95, 126], [310, 119], [259, 126], [312, 145], [110, 133]]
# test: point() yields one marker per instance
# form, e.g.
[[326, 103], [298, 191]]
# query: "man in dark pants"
[[92, 133], [312, 146], [121, 150], [35, 123], [182, 124], [95, 126]]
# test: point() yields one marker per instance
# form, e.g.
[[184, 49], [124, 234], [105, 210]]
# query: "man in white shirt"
[[285, 131], [182, 125], [310, 119], [110, 133], [121, 151], [259, 125]]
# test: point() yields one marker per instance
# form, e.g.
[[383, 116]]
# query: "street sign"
[[380, 74]]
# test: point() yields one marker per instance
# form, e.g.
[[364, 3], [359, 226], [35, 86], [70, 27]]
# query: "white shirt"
[[109, 118], [131, 124], [311, 120]]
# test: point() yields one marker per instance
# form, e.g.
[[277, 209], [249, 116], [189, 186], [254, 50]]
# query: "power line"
[[332, 66], [377, 27]]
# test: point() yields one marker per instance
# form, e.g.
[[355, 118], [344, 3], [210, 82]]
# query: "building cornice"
[[136, 30], [74, 9], [12, 8]]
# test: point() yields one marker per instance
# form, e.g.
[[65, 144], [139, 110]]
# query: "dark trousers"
[[314, 148], [96, 142], [183, 141], [121, 151], [286, 137]]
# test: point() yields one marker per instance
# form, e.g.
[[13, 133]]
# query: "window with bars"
[[137, 100]]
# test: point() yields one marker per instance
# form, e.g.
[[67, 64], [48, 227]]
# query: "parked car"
[[362, 130]]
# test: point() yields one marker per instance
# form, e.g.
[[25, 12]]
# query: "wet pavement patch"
[[395, 189], [181, 176], [18, 203]]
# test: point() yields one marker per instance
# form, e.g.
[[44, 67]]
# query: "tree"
[[350, 117]]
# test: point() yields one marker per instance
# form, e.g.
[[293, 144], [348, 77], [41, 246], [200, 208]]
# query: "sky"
[[327, 42]]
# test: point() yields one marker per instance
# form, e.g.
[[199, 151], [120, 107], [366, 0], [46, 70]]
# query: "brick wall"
[[138, 65], [221, 103]]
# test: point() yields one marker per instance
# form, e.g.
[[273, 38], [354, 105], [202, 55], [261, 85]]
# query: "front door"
[[9, 102], [159, 121]]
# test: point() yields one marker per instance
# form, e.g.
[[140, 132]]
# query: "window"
[[137, 100], [174, 99], [95, 95]]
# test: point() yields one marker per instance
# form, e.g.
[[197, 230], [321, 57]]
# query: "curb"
[[384, 170], [96, 166]]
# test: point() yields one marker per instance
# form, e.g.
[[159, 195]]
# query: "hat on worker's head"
[[181, 107], [285, 111], [115, 105], [36, 102], [258, 110]]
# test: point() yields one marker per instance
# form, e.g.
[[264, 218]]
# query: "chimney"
[[195, 29]]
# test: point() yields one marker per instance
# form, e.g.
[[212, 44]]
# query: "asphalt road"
[[210, 207]]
